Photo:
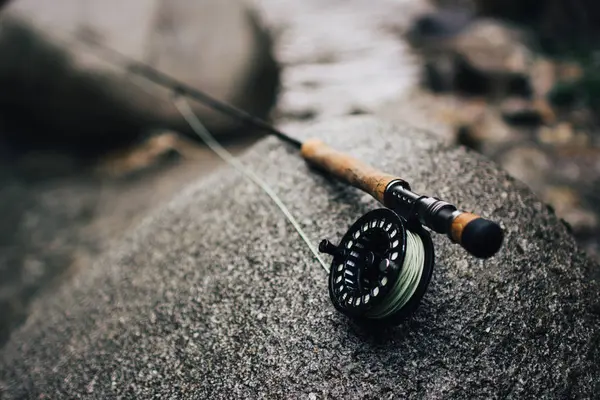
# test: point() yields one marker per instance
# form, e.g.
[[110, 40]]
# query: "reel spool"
[[381, 268]]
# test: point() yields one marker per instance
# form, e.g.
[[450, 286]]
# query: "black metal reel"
[[367, 263]]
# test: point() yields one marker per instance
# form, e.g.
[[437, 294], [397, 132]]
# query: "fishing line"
[[186, 111], [407, 282]]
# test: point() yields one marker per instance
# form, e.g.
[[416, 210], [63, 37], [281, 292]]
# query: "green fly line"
[[408, 280]]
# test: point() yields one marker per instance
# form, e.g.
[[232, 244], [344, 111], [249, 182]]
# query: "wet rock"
[[491, 46], [432, 34], [527, 163], [217, 296], [439, 74], [151, 153], [543, 77], [582, 221], [469, 137], [433, 27], [568, 206], [560, 24], [491, 51], [485, 133], [67, 93], [521, 112], [559, 134], [485, 58]]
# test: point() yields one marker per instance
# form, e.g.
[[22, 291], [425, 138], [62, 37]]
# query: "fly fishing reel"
[[383, 265], [381, 268]]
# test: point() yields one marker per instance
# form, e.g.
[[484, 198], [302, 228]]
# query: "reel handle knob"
[[327, 247], [479, 236]]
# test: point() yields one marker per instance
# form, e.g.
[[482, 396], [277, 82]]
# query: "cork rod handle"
[[346, 168]]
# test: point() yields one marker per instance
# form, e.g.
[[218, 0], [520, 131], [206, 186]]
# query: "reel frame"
[[347, 258]]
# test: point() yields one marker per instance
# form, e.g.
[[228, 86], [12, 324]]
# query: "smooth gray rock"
[[57, 81], [215, 296]]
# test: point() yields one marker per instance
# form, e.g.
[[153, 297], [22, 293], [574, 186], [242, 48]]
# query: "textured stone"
[[215, 296]]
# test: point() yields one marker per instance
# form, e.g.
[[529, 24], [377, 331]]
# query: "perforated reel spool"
[[360, 284]]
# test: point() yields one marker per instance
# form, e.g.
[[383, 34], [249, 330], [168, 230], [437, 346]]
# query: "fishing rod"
[[382, 266]]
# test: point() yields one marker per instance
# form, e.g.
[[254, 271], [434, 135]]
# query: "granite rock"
[[215, 296]]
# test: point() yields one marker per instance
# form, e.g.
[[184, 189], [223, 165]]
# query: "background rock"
[[558, 22], [562, 25], [483, 57], [215, 296], [54, 80]]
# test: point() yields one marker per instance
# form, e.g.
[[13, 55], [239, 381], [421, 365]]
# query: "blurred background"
[[88, 148]]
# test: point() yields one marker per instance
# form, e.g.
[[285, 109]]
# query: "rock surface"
[[215, 296], [86, 95]]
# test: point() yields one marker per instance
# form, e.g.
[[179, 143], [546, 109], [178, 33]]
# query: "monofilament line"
[[186, 111]]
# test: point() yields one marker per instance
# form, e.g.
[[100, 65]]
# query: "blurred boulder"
[[522, 10], [559, 23], [568, 203], [485, 131], [522, 112], [528, 163], [557, 135], [439, 25], [493, 56], [60, 91], [485, 57]]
